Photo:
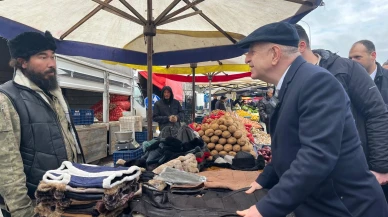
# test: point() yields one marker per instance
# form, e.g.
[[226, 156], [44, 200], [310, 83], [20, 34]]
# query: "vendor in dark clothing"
[[167, 111], [213, 103], [239, 101], [221, 103]]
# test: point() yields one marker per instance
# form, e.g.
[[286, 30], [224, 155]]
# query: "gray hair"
[[386, 63], [288, 50], [270, 90]]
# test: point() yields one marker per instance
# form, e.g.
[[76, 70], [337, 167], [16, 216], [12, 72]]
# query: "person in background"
[[213, 102], [239, 101], [385, 65], [36, 131], [364, 52], [318, 166], [265, 108], [368, 107], [168, 111], [221, 105]]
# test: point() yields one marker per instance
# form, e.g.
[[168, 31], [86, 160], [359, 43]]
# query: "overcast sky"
[[340, 23]]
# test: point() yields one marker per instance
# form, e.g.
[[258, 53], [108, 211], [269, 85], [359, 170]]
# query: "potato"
[[226, 134], [237, 134], [222, 141], [232, 129], [209, 132], [214, 139], [201, 133], [236, 148], [232, 140], [223, 127], [232, 153], [220, 121], [222, 153], [228, 147], [214, 126], [253, 153], [218, 132], [211, 146], [241, 141], [228, 123], [204, 127], [219, 147], [213, 152], [206, 139], [246, 148]]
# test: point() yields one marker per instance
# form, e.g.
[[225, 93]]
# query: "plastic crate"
[[82, 116], [127, 154], [140, 137]]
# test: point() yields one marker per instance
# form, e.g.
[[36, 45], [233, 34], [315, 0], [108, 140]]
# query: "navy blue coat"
[[318, 167]]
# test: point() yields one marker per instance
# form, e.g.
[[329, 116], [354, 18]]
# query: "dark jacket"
[[163, 109], [381, 81], [42, 145], [368, 108], [238, 101], [220, 105], [265, 109], [318, 167], [213, 104]]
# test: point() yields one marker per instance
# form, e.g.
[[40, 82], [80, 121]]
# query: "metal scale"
[[125, 141]]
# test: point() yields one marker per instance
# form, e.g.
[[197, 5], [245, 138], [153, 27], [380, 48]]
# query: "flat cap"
[[30, 43], [278, 33]]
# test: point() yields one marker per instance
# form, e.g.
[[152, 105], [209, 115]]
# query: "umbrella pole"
[[210, 77], [193, 66], [149, 32]]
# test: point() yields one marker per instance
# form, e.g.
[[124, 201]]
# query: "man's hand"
[[251, 212], [254, 186], [173, 118], [382, 178]]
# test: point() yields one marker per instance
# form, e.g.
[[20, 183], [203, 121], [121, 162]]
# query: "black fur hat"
[[30, 43]]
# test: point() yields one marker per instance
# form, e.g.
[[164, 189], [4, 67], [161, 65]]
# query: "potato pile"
[[225, 136]]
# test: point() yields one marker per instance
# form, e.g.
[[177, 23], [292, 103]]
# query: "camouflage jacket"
[[12, 179]]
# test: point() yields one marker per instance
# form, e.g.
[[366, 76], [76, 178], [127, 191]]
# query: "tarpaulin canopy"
[[198, 78], [186, 30], [160, 82], [176, 32]]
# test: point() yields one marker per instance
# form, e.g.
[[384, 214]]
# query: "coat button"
[[342, 198]]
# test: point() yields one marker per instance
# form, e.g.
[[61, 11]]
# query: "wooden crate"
[[93, 140], [114, 126]]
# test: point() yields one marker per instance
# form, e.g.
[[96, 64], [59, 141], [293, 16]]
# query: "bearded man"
[[36, 130]]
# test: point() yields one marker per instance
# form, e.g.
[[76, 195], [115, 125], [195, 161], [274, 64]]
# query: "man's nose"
[[247, 59], [52, 63]]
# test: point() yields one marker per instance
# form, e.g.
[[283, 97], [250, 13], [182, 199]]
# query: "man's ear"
[[276, 54], [302, 46], [374, 55], [22, 62]]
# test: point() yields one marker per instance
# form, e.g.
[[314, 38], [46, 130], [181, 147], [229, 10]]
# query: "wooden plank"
[[93, 140]]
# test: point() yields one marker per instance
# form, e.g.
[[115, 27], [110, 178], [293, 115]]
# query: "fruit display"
[[261, 137], [225, 134], [266, 153], [246, 121], [250, 109]]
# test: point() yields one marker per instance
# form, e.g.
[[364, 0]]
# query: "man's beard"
[[39, 79]]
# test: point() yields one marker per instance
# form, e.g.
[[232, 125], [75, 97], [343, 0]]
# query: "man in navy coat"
[[318, 167]]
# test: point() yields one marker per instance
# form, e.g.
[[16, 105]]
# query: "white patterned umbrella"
[[146, 32]]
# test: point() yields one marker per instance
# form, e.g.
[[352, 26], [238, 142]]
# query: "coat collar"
[[287, 79], [290, 75]]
